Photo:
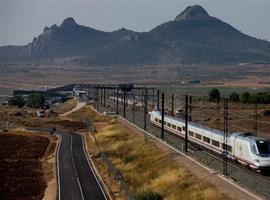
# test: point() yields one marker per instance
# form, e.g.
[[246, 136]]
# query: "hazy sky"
[[21, 20]]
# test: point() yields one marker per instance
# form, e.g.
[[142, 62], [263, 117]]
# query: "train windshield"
[[263, 146]]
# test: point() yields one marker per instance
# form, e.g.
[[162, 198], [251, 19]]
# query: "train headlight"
[[256, 160]]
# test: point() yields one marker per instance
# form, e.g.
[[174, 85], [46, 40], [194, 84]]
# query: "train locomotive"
[[245, 148]]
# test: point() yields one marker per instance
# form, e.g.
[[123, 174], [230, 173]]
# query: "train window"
[[206, 139], [263, 146], [173, 126], [190, 133], [156, 119], [184, 129], [179, 128], [160, 121], [198, 136], [168, 124], [215, 143], [229, 148]]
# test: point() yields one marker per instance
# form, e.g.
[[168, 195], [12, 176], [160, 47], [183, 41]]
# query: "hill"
[[192, 37]]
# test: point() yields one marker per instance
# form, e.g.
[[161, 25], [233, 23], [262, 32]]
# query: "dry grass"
[[87, 113], [65, 107], [146, 166], [28, 118]]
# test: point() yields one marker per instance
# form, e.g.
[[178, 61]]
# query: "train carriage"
[[245, 148]]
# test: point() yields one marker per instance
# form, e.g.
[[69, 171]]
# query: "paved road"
[[76, 178]]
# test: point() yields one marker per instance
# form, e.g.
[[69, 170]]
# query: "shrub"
[[214, 95], [261, 97], [36, 100], [149, 196], [17, 101], [234, 97], [245, 97]]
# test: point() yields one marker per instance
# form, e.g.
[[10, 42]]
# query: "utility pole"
[[153, 97], [162, 115], [133, 108], [101, 95], [157, 99], [186, 124], [145, 106], [145, 111], [172, 104], [117, 101], [124, 102], [190, 108], [113, 94], [225, 136], [95, 98], [104, 101], [255, 119], [97, 90]]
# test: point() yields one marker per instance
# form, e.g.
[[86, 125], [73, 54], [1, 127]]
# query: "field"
[[25, 170], [199, 90], [241, 117], [35, 76]]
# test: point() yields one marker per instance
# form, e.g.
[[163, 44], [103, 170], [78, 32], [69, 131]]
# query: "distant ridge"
[[193, 37]]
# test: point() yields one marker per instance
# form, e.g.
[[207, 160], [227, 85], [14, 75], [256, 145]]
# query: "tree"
[[17, 101], [214, 95], [234, 97], [149, 196], [245, 97], [36, 100]]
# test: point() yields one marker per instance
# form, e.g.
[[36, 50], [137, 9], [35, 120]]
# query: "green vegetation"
[[246, 97], [214, 95], [17, 101], [36, 100], [149, 196], [234, 97]]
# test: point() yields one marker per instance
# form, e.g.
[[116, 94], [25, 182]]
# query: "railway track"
[[245, 177]]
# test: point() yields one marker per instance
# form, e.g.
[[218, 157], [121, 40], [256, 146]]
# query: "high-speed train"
[[137, 102], [249, 150]]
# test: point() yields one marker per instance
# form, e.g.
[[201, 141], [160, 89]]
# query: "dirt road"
[[78, 106]]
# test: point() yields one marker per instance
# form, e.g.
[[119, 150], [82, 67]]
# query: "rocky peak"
[[192, 12], [68, 22]]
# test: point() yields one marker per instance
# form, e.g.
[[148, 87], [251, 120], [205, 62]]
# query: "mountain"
[[192, 37]]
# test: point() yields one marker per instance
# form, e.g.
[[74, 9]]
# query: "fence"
[[111, 168]]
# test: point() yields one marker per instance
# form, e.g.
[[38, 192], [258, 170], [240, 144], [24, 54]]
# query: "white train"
[[249, 150], [137, 102]]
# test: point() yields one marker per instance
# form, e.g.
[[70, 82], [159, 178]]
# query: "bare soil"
[[21, 165]]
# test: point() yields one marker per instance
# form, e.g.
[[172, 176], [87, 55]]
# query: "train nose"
[[263, 162]]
